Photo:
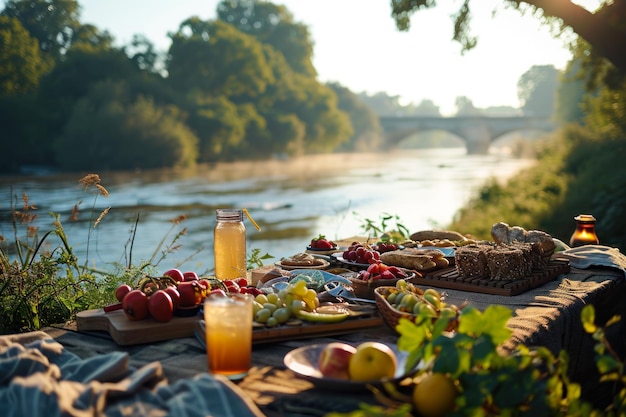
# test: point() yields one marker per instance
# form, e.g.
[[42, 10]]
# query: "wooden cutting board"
[[125, 332], [449, 278]]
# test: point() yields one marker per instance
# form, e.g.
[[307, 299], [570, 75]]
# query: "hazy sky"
[[357, 44]]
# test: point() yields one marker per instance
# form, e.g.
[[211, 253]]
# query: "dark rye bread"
[[506, 263], [497, 261], [471, 260]]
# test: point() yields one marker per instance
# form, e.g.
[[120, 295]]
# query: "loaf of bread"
[[506, 262], [498, 261], [505, 234], [437, 235], [415, 258], [471, 261]]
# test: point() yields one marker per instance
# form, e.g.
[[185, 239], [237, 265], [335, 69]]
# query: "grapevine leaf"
[[588, 318], [492, 321], [606, 364]]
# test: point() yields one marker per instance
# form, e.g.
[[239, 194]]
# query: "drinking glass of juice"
[[228, 323]]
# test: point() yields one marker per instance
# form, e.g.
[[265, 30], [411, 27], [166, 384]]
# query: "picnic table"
[[545, 316]]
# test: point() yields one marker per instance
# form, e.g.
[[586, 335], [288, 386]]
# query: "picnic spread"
[[105, 364]]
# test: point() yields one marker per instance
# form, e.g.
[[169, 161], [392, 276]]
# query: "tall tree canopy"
[[22, 65], [274, 25], [52, 22], [604, 30]]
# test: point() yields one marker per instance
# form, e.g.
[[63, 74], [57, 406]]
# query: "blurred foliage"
[[537, 89], [580, 170], [227, 89]]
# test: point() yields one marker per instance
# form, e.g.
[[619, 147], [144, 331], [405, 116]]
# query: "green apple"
[[372, 361]]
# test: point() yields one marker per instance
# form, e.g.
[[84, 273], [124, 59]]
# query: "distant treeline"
[[241, 86], [238, 87]]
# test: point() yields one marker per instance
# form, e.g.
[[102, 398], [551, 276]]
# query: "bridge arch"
[[478, 132]]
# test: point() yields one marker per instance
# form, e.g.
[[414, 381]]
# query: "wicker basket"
[[389, 314], [365, 289]]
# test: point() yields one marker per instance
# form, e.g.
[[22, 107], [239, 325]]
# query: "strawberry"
[[321, 242]]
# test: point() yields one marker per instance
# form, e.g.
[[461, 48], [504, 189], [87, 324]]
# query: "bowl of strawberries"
[[322, 244]]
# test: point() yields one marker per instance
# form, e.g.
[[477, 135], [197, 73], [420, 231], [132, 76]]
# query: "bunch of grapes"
[[360, 254], [277, 308], [382, 247]]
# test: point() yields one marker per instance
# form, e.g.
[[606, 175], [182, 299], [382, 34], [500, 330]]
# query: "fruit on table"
[[435, 395], [185, 290], [175, 274], [191, 293], [372, 361], [121, 291], [382, 247], [381, 270], [293, 301], [135, 305], [321, 317], [160, 306], [174, 295], [425, 304], [321, 242], [334, 360], [360, 254]]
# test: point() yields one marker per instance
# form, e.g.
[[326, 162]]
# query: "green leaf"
[[588, 318], [606, 364], [492, 322]]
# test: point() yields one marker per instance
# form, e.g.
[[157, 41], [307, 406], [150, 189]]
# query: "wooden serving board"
[[125, 332], [449, 278]]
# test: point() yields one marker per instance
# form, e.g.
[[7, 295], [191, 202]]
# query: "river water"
[[292, 200]]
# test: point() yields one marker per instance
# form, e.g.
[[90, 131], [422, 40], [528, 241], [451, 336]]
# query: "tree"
[[465, 107], [536, 90], [109, 129], [604, 30], [52, 22], [22, 66], [571, 93], [217, 59], [274, 25], [367, 130]]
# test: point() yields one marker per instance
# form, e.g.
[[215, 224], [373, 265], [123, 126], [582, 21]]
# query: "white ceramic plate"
[[303, 362]]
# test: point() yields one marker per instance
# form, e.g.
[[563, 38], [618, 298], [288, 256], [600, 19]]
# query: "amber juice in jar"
[[229, 244]]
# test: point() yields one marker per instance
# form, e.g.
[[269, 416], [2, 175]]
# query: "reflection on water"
[[292, 200]]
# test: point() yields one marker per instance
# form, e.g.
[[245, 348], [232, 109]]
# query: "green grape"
[[272, 297], [262, 315], [392, 297], [297, 305], [289, 299], [261, 298], [279, 302], [271, 322], [283, 293], [256, 306], [271, 307], [281, 315]]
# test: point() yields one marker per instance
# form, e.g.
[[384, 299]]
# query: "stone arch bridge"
[[478, 132]]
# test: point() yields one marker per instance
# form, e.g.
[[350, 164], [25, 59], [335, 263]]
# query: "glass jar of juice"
[[229, 244], [585, 233]]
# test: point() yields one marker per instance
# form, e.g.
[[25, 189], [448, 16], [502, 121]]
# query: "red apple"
[[334, 360]]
